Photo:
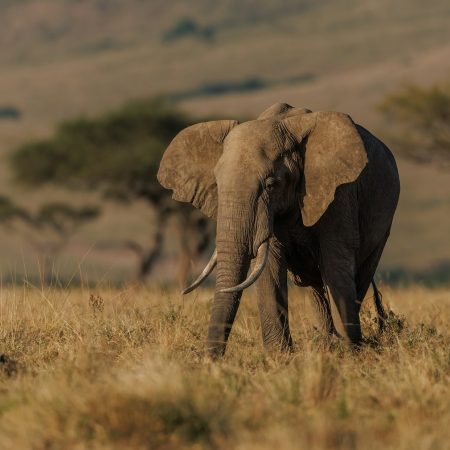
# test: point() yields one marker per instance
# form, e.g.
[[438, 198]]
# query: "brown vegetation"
[[126, 369]]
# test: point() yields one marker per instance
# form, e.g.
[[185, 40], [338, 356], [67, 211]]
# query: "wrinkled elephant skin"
[[307, 193]]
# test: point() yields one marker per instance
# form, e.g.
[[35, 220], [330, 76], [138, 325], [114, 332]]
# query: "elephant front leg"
[[273, 301]]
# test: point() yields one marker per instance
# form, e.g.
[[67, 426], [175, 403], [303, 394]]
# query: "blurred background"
[[92, 91]]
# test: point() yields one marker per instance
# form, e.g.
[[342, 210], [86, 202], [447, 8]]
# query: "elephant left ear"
[[334, 155], [187, 166]]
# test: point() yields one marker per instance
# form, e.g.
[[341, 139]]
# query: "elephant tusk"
[[202, 277], [261, 260]]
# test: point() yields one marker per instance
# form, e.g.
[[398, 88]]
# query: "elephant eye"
[[270, 183]]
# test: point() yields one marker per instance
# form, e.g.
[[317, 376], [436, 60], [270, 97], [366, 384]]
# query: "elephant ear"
[[187, 166], [334, 155], [279, 109]]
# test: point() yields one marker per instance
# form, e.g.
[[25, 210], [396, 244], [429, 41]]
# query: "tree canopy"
[[419, 121], [118, 152], [50, 227]]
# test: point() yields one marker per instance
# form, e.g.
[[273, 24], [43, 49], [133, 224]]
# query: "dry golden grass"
[[126, 369]]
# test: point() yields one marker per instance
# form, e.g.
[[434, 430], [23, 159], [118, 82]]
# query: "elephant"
[[309, 194]]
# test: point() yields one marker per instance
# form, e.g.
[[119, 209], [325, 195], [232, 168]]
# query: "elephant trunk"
[[234, 224], [229, 273], [260, 264]]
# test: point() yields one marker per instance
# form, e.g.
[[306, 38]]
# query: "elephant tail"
[[382, 316]]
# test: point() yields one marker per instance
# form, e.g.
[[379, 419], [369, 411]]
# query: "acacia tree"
[[118, 154], [49, 229], [418, 121]]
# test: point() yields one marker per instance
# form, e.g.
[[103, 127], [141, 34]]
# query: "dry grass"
[[126, 369]]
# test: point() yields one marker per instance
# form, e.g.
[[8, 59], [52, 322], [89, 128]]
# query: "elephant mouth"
[[260, 263]]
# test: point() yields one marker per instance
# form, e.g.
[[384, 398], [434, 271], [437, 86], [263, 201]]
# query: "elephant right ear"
[[187, 166]]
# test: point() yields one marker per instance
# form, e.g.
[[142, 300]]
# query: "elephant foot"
[[279, 347], [334, 334], [215, 350], [280, 342], [337, 335], [356, 345], [330, 335]]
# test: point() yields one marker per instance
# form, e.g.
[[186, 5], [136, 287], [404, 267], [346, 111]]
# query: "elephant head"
[[245, 175]]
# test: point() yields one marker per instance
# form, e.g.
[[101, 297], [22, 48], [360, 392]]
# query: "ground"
[[106, 368]]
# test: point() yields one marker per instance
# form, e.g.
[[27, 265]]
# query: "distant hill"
[[97, 53], [62, 58]]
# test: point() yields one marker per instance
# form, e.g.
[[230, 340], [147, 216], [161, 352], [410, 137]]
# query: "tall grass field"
[[126, 369]]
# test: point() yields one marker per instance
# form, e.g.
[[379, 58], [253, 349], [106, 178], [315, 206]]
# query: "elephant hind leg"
[[323, 309], [365, 277], [338, 270]]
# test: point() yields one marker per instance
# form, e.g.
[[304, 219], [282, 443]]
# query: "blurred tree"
[[10, 113], [49, 229], [118, 154], [418, 121], [188, 27], [60, 222], [9, 212]]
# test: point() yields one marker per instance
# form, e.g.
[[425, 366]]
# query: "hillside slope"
[[97, 53]]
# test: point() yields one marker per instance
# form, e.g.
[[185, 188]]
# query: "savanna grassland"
[[126, 367], [86, 368]]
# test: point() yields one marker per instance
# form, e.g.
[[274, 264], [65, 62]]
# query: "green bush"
[[187, 27]]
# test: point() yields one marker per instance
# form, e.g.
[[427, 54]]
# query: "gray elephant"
[[309, 193]]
